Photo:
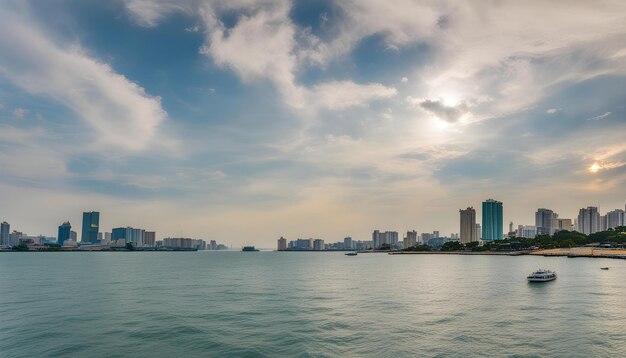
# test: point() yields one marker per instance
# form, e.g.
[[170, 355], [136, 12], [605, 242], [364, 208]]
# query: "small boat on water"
[[604, 268], [351, 253], [542, 276]]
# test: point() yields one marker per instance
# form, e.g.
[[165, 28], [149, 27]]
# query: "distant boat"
[[542, 276], [604, 268], [351, 253], [249, 249]]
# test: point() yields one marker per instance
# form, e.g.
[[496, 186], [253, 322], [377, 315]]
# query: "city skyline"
[[255, 120]]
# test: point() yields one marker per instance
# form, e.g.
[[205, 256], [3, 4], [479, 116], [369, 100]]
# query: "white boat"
[[542, 276]]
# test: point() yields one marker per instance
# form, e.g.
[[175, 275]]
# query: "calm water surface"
[[234, 304]]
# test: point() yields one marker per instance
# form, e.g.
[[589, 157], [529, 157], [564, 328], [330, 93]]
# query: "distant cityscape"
[[490, 229], [92, 239]]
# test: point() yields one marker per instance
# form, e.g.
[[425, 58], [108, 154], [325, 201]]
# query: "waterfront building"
[[149, 238], [389, 238], [301, 244], [318, 245], [615, 218], [468, 225], [281, 246], [64, 232], [14, 238], [562, 224], [91, 223], [411, 239], [100, 236], [589, 220], [128, 235], [213, 245], [492, 220], [4, 234], [479, 232], [74, 235], [603, 223], [107, 236], [544, 219], [183, 243], [425, 237], [527, 231], [347, 243]]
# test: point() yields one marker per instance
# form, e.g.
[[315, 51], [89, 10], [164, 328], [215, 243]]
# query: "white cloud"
[[442, 111], [404, 79], [121, 113], [552, 110], [599, 117], [20, 113], [344, 94]]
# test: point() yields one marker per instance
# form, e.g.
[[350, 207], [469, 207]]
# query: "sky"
[[243, 121]]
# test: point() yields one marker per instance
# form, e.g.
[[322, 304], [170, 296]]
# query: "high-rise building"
[[107, 236], [65, 230], [479, 232], [129, 235], [492, 220], [318, 245], [213, 245], [282, 244], [589, 220], [91, 223], [603, 223], [376, 239], [411, 239], [615, 218], [149, 238], [425, 237], [4, 234], [384, 238], [347, 243], [74, 236], [468, 225], [562, 224], [527, 231], [544, 219]]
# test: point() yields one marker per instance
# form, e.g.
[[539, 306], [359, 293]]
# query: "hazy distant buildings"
[[74, 236], [614, 218], [282, 244], [544, 219], [64, 233], [468, 225], [318, 245], [527, 231], [183, 243], [589, 220], [91, 223], [562, 224], [347, 243], [149, 238], [410, 240], [492, 220], [128, 235], [387, 238], [479, 232], [4, 234]]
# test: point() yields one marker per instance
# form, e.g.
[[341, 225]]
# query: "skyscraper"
[[479, 232], [64, 232], [129, 235], [4, 233], [544, 219], [588, 220], [282, 244], [468, 225], [492, 220], [347, 243], [411, 239], [615, 218], [91, 224]]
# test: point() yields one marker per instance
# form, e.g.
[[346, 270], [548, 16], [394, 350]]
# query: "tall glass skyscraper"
[[4, 233], [91, 223], [492, 220], [64, 232]]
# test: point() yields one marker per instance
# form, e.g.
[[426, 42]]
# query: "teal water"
[[234, 304]]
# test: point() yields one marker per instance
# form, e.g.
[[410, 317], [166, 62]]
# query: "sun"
[[594, 168]]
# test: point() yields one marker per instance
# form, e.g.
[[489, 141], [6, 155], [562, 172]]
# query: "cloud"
[[20, 113], [436, 107], [597, 118], [404, 79], [344, 94], [552, 110], [120, 112]]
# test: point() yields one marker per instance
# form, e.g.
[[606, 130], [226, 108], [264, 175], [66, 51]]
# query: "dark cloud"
[[450, 114]]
